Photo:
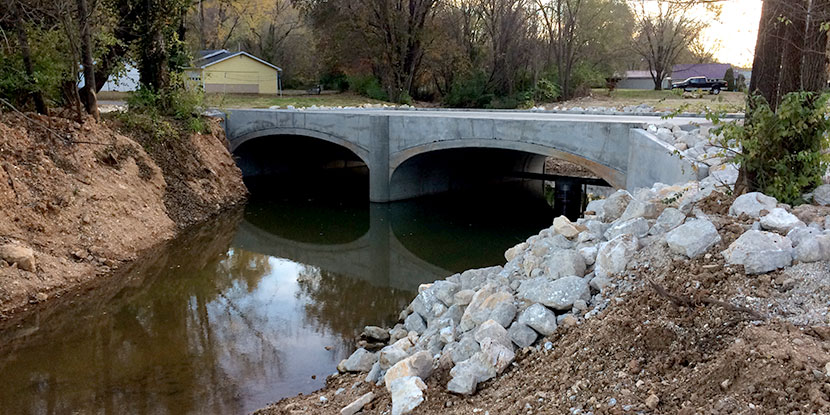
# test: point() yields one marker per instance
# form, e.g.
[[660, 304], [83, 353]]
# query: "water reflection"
[[245, 310]]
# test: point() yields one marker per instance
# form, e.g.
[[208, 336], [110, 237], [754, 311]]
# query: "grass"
[[661, 100], [345, 99]]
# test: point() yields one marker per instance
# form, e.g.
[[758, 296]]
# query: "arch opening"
[[464, 169], [280, 166]]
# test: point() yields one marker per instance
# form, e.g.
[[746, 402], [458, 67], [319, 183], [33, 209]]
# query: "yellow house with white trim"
[[221, 71]]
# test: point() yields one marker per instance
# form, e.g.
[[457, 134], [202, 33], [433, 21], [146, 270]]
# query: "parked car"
[[714, 86]]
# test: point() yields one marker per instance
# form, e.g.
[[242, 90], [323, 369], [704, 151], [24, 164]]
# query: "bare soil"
[[678, 337], [87, 199]]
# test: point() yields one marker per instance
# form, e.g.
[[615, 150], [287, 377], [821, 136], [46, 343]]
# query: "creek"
[[259, 304]]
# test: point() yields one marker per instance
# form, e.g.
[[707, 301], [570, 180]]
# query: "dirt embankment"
[[86, 199]]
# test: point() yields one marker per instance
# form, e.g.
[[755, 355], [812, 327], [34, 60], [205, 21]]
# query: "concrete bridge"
[[414, 153]]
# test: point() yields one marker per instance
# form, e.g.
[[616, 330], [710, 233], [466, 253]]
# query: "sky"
[[737, 31]]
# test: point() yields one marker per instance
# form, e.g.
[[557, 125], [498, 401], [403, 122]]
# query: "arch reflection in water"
[[246, 310]]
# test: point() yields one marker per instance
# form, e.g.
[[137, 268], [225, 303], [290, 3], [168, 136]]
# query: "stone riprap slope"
[[474, 323]]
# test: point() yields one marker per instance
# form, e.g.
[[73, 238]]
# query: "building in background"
[[640, 80], [221, 71]]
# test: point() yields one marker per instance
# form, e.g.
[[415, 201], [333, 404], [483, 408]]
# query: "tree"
[[729, 77], [84, 16], [663, 34], [23, 40]]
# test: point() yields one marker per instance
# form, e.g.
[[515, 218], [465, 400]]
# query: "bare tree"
[[664, 31]]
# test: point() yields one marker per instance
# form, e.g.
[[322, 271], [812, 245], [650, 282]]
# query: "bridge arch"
[[612, 176], [360, 151]]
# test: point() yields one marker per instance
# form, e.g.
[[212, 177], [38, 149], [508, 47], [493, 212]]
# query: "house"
[[234, 72], [640, 80], [709, 70]]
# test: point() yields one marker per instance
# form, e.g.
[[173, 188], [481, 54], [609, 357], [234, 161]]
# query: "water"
[[258, 305]]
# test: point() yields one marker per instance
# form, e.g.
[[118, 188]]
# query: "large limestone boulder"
[[407, 393], [613, 256], [419, 365], [752, 204], [760, 252], [468, 374], [360, 361], [779, 220], [565, 262], [614, 206], [693, 238], [515, 251], [821, 195], [358, 404], [563, 226], [497, 354], [493, 330], [463, 349], [558, 294], [639, 209], [668, 220], [23, 256], [638, 227], [395, 352], [521, 335], [498, 306], [812, 249], [539, 318]]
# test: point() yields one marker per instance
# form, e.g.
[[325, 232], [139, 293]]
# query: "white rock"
[[821, 195], [539, 318], [414, 322], [360, 361], [639, 209], [558, 294], [407, 393], [493, 330], [613, 256], [668, 220], [595, 206], [589, 254], [466, 375], [614, 206], [760, 252], [464, 297], [463, 349], [358, 404], [521, 334], [488, 304], [515, 251], [796, 235], [563, 226], [419, 365], [638, 227], [565, 262], [813, 248], [752, 204], [779, 220], [693, 238], [497, 354]]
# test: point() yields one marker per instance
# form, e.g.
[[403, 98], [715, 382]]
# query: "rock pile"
[[472, 323]]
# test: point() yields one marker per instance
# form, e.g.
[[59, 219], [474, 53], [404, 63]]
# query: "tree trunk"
[[814, 67], [153, 62], [23, 39], [91, 101], [766, 68], [793, 46]]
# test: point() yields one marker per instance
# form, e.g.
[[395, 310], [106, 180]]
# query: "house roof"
[[709, 70], [212, 57], [638, 74]]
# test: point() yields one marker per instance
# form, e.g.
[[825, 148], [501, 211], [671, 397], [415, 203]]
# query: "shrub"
[[781, 152], [729, 77], [546, 90], [469, 92], [335, 81], [368, 86]]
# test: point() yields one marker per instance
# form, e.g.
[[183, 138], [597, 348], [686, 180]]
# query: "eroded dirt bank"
[[86, 199]]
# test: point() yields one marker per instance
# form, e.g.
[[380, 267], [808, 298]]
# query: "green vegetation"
[[781, 152], [163, 115]]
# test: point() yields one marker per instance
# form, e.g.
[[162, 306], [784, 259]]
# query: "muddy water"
[[253, 307]]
